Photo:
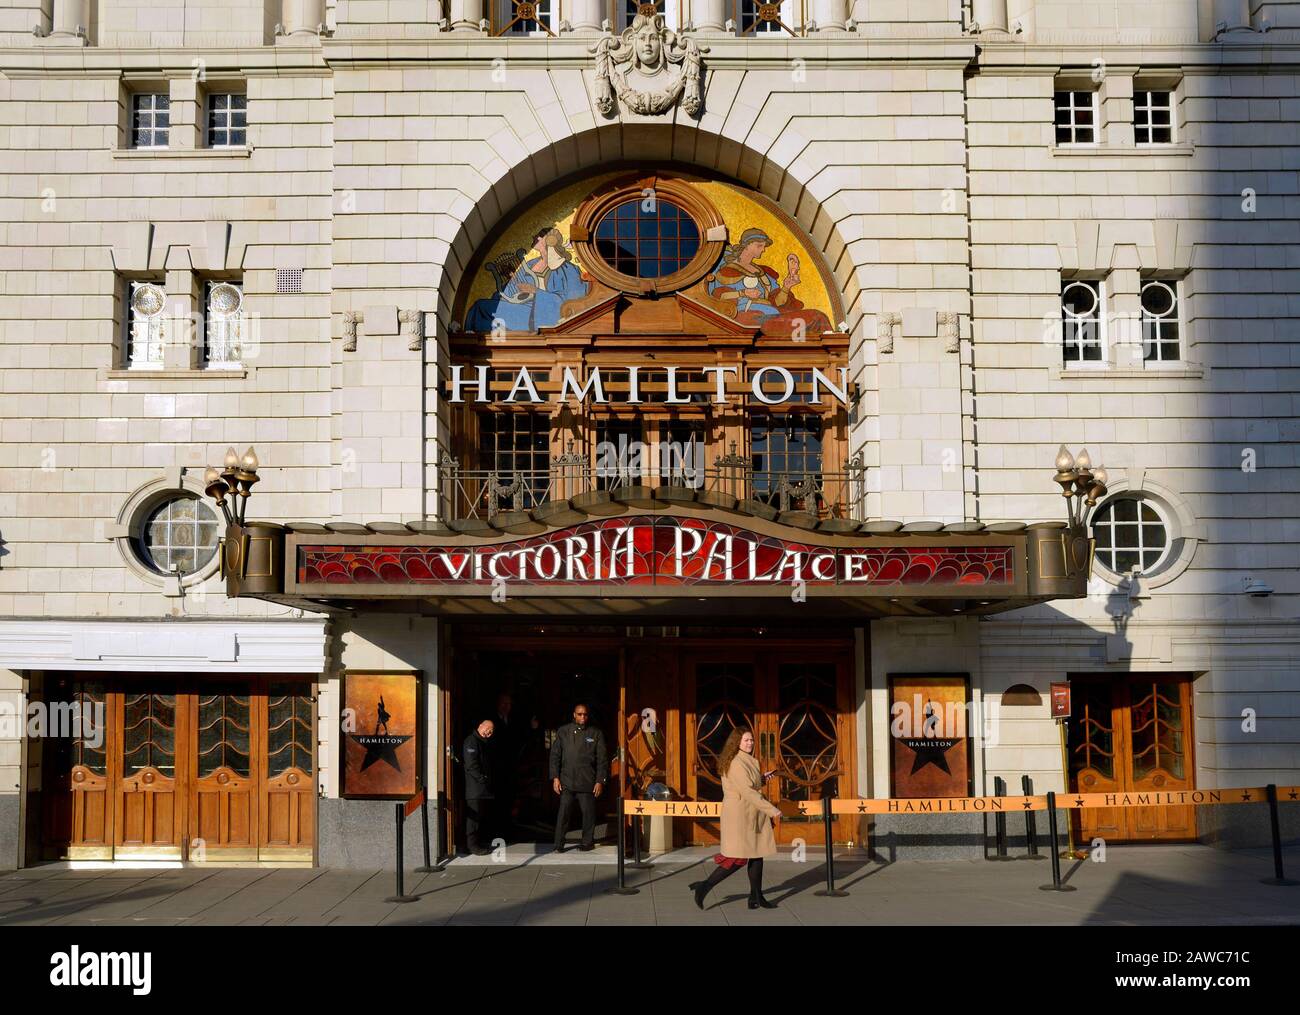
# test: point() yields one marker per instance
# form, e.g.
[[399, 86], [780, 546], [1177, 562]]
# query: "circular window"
[[647, 242], [1131, 535], [1080, 299], [179, 536]]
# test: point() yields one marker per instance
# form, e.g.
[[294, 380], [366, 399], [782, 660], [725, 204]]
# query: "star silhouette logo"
[[930, 752], [380, 746]]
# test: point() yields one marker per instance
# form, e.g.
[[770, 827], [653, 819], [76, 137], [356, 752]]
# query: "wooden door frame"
[[1122, 717]]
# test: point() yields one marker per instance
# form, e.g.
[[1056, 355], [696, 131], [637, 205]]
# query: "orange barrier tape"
[[980, 804], [1075, 801]]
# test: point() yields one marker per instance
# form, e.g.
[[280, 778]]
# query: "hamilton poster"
[[930, 754], [382, 742]]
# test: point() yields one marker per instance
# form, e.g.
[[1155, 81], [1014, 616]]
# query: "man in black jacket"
[[479, 795], [579, 768]]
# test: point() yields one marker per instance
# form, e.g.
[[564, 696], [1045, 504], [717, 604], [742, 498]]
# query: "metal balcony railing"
[[746, 18], [484, 493]]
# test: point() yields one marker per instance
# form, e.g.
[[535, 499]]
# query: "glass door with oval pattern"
[[150, 804], [808, 742]]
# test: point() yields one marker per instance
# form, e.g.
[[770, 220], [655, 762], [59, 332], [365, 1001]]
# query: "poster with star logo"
[[382, 741], [930, 743]]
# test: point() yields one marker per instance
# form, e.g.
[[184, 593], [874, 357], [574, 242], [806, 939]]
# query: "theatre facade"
[[853, 373]]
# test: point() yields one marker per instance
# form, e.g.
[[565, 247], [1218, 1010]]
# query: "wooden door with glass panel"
[[798, 705], [1132, 734]]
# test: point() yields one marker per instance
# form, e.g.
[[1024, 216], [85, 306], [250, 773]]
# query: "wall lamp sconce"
[[235, 481]]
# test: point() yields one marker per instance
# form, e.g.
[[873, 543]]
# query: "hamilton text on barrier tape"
[[983, 804]]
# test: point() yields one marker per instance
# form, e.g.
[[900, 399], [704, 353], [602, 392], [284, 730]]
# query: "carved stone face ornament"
[[649, 69]]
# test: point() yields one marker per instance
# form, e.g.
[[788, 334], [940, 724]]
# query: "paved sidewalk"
[[1136, 885]]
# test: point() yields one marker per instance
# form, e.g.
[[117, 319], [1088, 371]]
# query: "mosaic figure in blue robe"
[[533, 297]]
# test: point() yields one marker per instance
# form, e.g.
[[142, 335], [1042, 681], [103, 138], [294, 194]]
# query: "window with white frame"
[[1131, 535], [223, 324], [227, 120], [1082, 321], [150, 120], [1153, 117], [1076, 117], [1161, 310], [146, 306]]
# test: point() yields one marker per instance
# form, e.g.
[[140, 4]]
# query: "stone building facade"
[[959, 172]]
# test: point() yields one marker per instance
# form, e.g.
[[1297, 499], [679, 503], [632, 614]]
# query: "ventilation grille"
[[288, 280]]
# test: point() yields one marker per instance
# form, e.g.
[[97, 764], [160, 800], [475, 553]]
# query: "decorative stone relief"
[[412, 326], [950, 330], [351, 318], [649, 68], [885, 330]]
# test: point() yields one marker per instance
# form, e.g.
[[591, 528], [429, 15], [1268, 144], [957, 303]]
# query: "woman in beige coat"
[[746, 820]]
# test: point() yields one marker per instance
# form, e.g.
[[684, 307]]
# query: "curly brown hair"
[[730, 749]]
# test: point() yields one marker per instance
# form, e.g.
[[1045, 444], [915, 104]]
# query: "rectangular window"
[[786, 452], [227, 120], [1161, 310], [1076, 117], [513, 23], [1082, 322], [223, 324], [681, 452], [1153, 117], [150, 120], [620, 453], [516, 448], [146, 306], [751, 21]]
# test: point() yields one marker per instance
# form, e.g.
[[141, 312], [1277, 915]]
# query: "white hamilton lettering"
[[524, 380], [458, 383], [569, 386], [720, 381], [787, 379]]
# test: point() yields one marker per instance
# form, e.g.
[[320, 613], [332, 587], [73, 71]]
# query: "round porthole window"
[[179, 536], [1132, 535], [647, 238]]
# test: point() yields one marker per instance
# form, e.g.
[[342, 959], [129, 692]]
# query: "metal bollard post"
[[1056, 885], [621, 888], [637, 863], [1031, 822], [827, 829], [428, 867], [1279, 875], [1000, 821], [401, 895]]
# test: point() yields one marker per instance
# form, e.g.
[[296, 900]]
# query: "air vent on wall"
[[288, 280]]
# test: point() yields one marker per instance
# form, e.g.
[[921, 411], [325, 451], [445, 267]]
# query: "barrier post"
[[1279, 877], [1031, 823], [1000, 821], [828, 830], [637, 863], [621, 888], [401, 895], [1056, 885], [428, 867]]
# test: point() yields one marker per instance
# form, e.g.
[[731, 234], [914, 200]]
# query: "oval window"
[[646, 238], [179, 536]]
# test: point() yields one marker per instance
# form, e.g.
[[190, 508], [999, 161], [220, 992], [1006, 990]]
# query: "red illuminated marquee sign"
[[655, 550]]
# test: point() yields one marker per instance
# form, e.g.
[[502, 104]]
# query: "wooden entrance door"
[[183, 769], [798, 704], [1129, 735]]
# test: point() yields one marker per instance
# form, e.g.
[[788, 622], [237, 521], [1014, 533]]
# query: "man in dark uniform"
[[479, 795], [579, 769]]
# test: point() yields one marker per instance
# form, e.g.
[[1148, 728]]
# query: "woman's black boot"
[[756, 900], [701, 888]]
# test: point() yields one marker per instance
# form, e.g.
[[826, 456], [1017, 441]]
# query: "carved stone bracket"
[[950, 330], [885, 330], [411, 323], [351, 318]]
